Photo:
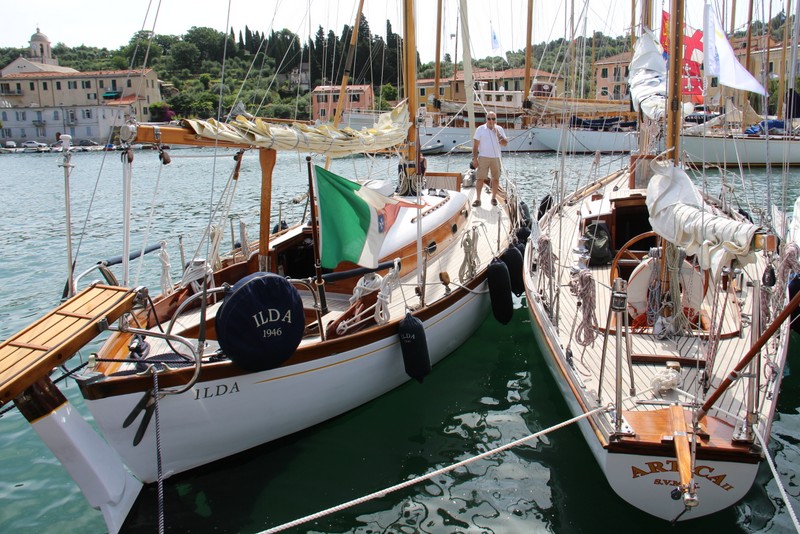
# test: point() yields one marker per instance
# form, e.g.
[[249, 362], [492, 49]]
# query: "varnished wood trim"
[[39, 400], [122, 385]]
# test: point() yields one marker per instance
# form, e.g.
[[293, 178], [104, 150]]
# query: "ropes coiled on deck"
[[790, 262], [586, 292], [545, 253]]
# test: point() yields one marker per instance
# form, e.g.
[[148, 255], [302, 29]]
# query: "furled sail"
[[390, 130], [679, 215], [648, 79], [564, 106]]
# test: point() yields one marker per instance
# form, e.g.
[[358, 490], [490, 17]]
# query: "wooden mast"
[[674, 90], [437, 64], [526, 87], [266, 158], [410, 75], [337, 114]]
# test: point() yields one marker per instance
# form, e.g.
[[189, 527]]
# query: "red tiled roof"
[[624, 57]]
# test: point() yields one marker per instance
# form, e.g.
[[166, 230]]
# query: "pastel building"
[[40, 99]]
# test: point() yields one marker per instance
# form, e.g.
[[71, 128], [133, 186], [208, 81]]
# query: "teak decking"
[[33, 352]]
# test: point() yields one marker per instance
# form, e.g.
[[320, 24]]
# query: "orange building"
[[325, 99]]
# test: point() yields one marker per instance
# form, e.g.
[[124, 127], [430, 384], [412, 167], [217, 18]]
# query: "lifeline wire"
[[432, 474]]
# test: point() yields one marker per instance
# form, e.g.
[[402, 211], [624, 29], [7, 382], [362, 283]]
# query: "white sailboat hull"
[[458, 139], [218, 418], [740, 150], [585, 141], [646, 482]]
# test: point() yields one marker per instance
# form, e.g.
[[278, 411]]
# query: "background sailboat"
[[727, 140]]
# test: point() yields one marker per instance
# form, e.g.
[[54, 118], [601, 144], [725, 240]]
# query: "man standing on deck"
[[486, 155]]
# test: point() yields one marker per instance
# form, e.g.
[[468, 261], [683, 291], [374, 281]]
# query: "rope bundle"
[[586, 292], [546, 258]]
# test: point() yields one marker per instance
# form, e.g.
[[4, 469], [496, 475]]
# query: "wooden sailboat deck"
[[649, 354]]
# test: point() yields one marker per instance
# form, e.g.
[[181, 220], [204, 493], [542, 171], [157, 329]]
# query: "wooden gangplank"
[[32, 353]]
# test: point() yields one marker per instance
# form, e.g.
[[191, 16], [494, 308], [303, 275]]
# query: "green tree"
[[185, 55], [208, 41], [205, 80], [389, 92]]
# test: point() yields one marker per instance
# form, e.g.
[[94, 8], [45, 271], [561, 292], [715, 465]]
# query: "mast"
[[749, 36], [526, 87], [437, 64], [468, 68], [782, 75], [453, 91], [337, 114], [68, 166], [674, 90], [266, 159], [410, 75], [413, 168]]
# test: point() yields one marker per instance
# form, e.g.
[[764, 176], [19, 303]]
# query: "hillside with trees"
[[259, 67]]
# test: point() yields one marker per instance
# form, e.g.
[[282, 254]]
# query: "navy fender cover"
[[500, 291], [414, 346], [261, 322], [512, 257]]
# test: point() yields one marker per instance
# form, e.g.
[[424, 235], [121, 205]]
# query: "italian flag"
[[353, 220]]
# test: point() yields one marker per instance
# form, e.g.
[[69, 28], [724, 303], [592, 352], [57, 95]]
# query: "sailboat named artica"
[[661, 313]]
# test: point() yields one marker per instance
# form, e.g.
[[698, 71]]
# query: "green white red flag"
[[353, 220]]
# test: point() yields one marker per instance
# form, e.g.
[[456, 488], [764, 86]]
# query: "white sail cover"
[[563, 106], [545, 106], [679, 215], [391, 129], [648, 79]]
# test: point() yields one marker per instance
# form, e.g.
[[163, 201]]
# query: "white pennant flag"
[[720, 60], [496, 46]]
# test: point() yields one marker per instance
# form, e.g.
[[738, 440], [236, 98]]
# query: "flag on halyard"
[[692, 55], [720, 59], [496, 46], [353, 220]]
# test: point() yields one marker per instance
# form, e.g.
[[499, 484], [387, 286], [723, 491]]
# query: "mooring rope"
[[777, 478], [432, 474], [160, 481]]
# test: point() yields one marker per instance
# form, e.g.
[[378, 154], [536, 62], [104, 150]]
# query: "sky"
[[112, 25]]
